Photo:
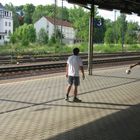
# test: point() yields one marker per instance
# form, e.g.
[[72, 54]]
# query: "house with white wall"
[[6, 24], [49, 24]]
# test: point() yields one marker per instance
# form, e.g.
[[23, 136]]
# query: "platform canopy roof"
[[125, 6]]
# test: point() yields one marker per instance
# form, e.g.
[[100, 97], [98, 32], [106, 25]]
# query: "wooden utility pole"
[[55, 6], [62, 23]]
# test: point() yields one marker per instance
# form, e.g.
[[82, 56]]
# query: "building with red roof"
[[49, 24]]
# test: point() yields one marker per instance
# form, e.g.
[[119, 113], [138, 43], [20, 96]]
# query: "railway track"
[[47, 67], [4, 60]]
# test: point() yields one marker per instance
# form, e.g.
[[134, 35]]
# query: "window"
[[1, 13], [5, 31], [0, 37], [9, 33], [9, 23], [5, 23]]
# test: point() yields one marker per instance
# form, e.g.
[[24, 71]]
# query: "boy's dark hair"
[[76, 51]]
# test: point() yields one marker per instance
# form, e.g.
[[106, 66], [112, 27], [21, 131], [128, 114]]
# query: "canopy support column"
[[91, 31]]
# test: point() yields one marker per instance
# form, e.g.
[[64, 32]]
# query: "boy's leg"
[[75, 91], [75, 99], [70, 82], [68, 91], [76, 84]]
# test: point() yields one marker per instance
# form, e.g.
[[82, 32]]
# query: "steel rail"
[[62, 64], [51, 58]]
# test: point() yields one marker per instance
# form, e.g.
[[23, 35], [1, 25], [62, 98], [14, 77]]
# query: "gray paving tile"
[[36, 110]]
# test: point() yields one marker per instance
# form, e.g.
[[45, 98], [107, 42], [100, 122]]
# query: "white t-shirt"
[[74, 62]]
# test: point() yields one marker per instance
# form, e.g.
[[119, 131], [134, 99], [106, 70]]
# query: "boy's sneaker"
[[75, 99], [67, 97]]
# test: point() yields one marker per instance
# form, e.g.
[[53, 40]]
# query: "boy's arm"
[[131, 66], [66, 70], [82, 70]]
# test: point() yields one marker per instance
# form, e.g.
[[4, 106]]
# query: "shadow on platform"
[[123, 125]]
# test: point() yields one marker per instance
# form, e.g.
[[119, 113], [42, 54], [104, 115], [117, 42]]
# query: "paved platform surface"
[[35, 109]]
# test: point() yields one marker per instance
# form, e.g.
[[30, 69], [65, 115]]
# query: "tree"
[[121, 25], [24, 34], [56, 37], [62, 13], [13, 38], [131, 33], [31, 33], [42, 36], [58, 34], [39, 12], [28, 10], [110, 32], [109, 36], [82, 24], [20, 14], [48, 10], [115, 31]]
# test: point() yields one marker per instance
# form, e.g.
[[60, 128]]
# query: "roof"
[[125, 6], [59, 22], [1, 6]]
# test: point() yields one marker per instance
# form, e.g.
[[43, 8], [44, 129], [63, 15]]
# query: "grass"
[[37, 49]]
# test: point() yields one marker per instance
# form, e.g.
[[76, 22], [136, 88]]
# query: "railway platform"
[[34, 108]]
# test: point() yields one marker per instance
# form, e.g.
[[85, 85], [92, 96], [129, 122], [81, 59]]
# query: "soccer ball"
[[128, 71]]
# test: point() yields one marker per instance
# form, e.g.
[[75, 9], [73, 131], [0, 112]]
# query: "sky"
[[113, 15], [104, 13]]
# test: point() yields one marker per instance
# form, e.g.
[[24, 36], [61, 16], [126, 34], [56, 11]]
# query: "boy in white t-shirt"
[[74, 64]]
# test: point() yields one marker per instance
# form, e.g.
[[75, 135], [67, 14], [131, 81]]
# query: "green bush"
[[19, 49], [133, 47], [108, 48]]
